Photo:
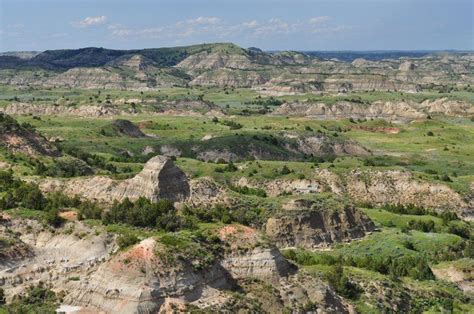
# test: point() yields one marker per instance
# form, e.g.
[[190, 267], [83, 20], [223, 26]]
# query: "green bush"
[[248, 191], [126, 240], [144, 213], [341, 283]]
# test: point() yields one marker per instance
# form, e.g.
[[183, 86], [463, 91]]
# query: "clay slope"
[[152, 276], [20, 139], [377, 110], [397, 187], [288, 146], [305, 225], [159, 179], [86, 111], [126, 128]]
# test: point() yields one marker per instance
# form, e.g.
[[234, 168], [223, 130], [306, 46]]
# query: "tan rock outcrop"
[[396, 187], [344, 110], [19, 139], [86, 111], [378, 110], [159, 179], [307, 227]]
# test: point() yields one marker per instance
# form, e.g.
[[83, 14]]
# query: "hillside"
[[225, 64], [217, 179]]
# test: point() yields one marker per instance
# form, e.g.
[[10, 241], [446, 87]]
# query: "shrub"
[[230, 167], [52, 217], [89, 210], [459, 228], [232, 124], [248, 191], [446, 178], [341, 283], [126, 240], [424, 226], [144, 213], [285, 170]]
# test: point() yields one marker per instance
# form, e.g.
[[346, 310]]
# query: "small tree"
[[285, 170]]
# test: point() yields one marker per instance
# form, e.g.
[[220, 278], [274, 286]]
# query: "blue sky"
[[267, 24]]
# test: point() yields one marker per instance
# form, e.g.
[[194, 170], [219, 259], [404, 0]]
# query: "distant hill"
[[350, 56], [20, 54], [228, 65], [65, 59]]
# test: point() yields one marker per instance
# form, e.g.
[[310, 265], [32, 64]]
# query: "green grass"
[[26, 213], [389, 219]]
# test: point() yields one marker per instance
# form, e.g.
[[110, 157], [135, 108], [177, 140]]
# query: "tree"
[[340, 282], [53, 218], [285, 170], [2, 296]]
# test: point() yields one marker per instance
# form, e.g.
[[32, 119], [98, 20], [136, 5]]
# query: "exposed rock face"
[[135, 62], [172, 107], [282, 186], [213, 61], [147, 277], [188, 107], [87, 78], [377, 110], [127, 128], [206, 192], [342, 110], [396, 187], [81, 111], [215, 155], [321, 145], [138, 281], [229, 77], [460, 273], [307, 227], [407, 66], [159, 179], [246, 259], [19, 139], [448, 107], [286, 147], [229, 65], [50, 256], [170, 151]]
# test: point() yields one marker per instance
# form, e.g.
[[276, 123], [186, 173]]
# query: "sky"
[[267, 24]]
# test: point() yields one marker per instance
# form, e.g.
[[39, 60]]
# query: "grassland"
[[433, 149]]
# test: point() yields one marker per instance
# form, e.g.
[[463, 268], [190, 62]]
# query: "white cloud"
[[90, 21], [332, 29], [118, 30], [201, 20], [319, 19], [214, 27], [273, 26], [250, 24]]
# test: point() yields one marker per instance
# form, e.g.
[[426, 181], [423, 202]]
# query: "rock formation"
[[20, 139], [310, 227], [127, 128], [149, 277], [396, 187], [159, 179], [86, 111], [403, 111]]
